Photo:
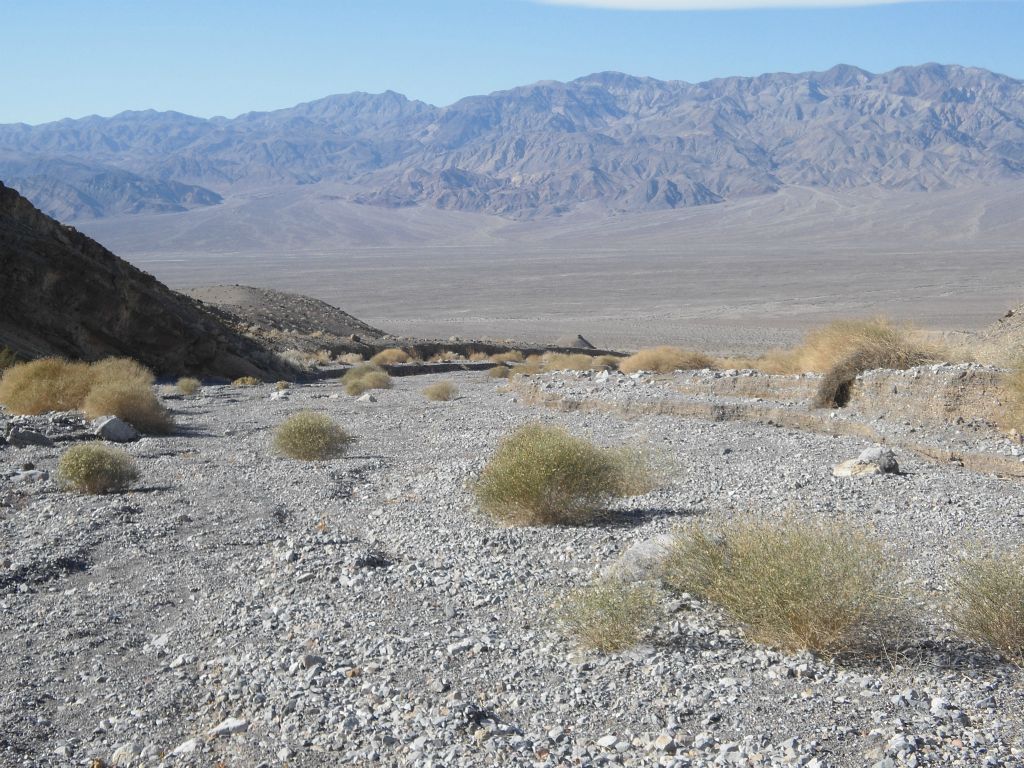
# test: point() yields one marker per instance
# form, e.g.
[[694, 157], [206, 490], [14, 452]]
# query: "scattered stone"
[[229, 726], [22, 437], [366, 397], [114, 430], [876, 460]]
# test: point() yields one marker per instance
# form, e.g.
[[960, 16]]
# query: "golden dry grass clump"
[[542, 475], [246, 381], [665, 360], [282, 385], [445, 357], [132, 401], [361, 378], [1013, 384], [560, 361], [499, 372], [988, 602], [794, 585], [846, 348], [311, 436], [390, 357], [441, 391], [96, 469], [112, 387], [350, 358], [610, 614], [512, 356], [189, 386]]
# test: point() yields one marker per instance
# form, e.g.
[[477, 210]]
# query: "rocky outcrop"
[[65, 294]]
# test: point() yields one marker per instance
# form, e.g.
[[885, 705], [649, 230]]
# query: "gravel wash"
[[236, 608]]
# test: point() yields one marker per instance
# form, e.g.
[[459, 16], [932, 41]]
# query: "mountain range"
[[608, 141]]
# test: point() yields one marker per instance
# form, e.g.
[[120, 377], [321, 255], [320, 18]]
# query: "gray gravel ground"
[[242, 609]]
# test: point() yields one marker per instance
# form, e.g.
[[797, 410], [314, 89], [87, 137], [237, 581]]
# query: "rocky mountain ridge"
[[610, 140]]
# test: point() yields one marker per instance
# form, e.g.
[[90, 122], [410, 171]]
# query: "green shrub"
[[131, 401], [189, 386], [665, 360], [311, 436], [246, 381], [988, 602], [542, 475], [361, 378], [610, 615], [792, 585], [94, 468], [441, 391]]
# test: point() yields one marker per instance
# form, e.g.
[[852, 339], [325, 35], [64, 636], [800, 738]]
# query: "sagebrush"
[[94, 469], [794, 585], [542, 475], [988, 601], [610, 615], [361, 378], [131, 401], [311, 436]]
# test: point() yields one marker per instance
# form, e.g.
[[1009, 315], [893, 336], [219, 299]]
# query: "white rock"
[[366, 398], [642, 560], [124, 755], [607, 741], [114, 430], [186, 747], [229, 726], [281, 394]]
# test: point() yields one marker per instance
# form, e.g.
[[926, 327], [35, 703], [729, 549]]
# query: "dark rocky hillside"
[[608, 140], [63, 293]]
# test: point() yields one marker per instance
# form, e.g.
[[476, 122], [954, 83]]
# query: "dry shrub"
[[282, 385], [871, 344], [246, 381], [441, 391], [558, 361], [610, 614], [311, 436], [189, 386], [132, 401], [665, 360], [542, 475], [96, 469], [445, 357], [365, 377], [1013, 385], [350, 358], [528, 369], [989, 602], [512, 356], [477, 357], [499, 372], [48, 384], [794, 585], [607, 361], [390, 357], [120, 369]]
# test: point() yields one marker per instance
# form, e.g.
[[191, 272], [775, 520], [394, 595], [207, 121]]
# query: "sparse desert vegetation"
[[363, 378], [392, 356], [96, 469], [246, 381], [311, 436], [499, 372], [110, 387], [988, 601], [610, 614], [665, 360], [1013, 384], [542, 475], [794, 585], [441, 391], [188, 386]]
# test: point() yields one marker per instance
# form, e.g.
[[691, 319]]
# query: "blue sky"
[[72, 58]]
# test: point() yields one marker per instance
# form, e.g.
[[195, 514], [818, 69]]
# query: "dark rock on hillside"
[[65, 294]]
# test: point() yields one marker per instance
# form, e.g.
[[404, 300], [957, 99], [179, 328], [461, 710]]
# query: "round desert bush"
[[513, 356], [361, 378], [189, 386], [499, 372], [442, 391], [558, 361], [794, 585], [246, 381], [131, 401], [610, 615], [96, 469], [390, 357], [541, 475], [665, 360], [988, 602], [282, 385], [311, 437], [48, 384], [120, 370]]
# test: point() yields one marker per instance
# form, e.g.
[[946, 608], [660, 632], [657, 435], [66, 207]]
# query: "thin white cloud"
[[717, 5]]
